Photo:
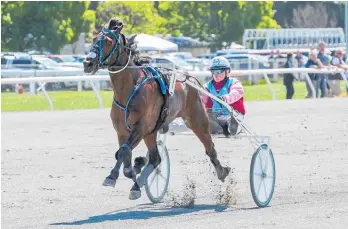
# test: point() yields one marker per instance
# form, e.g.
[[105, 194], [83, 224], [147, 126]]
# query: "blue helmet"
[[220, 62]]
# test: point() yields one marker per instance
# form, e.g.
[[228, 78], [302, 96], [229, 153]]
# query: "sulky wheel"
[[262, 175], [156, 184]]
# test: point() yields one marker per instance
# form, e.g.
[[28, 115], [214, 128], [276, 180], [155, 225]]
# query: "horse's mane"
[[117, 25]]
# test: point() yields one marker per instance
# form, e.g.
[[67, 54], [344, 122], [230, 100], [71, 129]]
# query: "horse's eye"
[[108, 41]]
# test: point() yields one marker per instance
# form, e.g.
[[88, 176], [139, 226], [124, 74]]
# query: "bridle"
[[99, 42]]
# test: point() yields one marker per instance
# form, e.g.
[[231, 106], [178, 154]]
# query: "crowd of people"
[[317, 59]]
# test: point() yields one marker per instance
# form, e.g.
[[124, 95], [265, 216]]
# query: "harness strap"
[[125, 109]]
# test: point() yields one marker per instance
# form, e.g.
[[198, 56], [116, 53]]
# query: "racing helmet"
[[220, 63]]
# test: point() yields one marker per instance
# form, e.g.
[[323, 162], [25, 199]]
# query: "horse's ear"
[[132, 38], [115, 24], [112, 22], [118, 28], [131, 42]]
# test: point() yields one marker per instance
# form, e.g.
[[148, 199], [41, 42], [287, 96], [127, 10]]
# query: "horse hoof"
[[109, 182], [129, 172], [134, 194], [145, 174], [224, 174], [139, 163]]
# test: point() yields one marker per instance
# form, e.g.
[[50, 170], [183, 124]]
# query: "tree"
[[138, 17], [312, 17], [310, 14], [43, 25], [170, 12], [219, 23]]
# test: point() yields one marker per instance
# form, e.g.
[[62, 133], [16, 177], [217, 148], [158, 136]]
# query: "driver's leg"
[[223, 121], [233, 126], [214, 126]]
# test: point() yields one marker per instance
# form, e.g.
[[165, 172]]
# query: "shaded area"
[[147, 213]]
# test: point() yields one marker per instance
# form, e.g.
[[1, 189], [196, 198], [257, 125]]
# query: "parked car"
[[79, 58], [207, 56], [17, 60], [46, 63], [167, 61], [181, 55], [231, 51], [62, 58], [66, 60], [198, 64], [242, 61]]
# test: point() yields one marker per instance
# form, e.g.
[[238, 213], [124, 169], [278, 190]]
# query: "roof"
[[183, 41]]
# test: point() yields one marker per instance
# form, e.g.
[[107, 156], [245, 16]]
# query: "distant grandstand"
[[292, 38]]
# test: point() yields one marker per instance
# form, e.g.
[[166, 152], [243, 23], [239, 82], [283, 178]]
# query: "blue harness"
[[217, 107], [155, 76], [104, 33]]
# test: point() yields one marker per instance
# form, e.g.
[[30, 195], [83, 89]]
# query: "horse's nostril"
[[87, 64]]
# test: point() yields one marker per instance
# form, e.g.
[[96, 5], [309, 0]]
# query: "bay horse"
[[142, 107]]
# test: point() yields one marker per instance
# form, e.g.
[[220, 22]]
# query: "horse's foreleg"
[[154, 158], [123, 155], [154, 161]]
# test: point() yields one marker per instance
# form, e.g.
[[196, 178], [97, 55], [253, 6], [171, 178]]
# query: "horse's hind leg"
[[123, 155], [204, 136], [197, 120], [154, 160]]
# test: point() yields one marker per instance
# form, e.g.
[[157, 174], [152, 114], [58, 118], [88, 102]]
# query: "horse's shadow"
[[146, 211]]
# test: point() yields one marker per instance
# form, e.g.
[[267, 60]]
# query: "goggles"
[[217, 71]]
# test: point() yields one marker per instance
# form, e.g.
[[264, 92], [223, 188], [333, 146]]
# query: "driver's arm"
[[236, 92]]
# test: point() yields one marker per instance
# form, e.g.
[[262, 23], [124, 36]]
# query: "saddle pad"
[[159, 79]]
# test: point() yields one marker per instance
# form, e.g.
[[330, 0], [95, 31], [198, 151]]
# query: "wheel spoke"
[[264, 185], [260, 162], [152, 179], [258, 190], [258, 174], [162, 149], [266, 163], [161, 175], [157, 185]]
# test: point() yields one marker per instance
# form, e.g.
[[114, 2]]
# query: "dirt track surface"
[[53, 165]]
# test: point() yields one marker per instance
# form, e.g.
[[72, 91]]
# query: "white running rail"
[[94, 78]]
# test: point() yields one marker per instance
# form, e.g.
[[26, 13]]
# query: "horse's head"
[[107, 49]]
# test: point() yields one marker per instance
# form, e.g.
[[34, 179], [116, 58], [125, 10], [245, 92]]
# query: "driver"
[[230, 90]]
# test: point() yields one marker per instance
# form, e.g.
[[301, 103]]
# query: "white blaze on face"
[[91, 55]]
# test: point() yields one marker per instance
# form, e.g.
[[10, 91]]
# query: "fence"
[[96, 78]]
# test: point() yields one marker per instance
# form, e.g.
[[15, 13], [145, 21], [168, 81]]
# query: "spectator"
[[322, 78], [278, 54], [313, 62], [289, 77], [272, 59], [339, 62], [300, 59]]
